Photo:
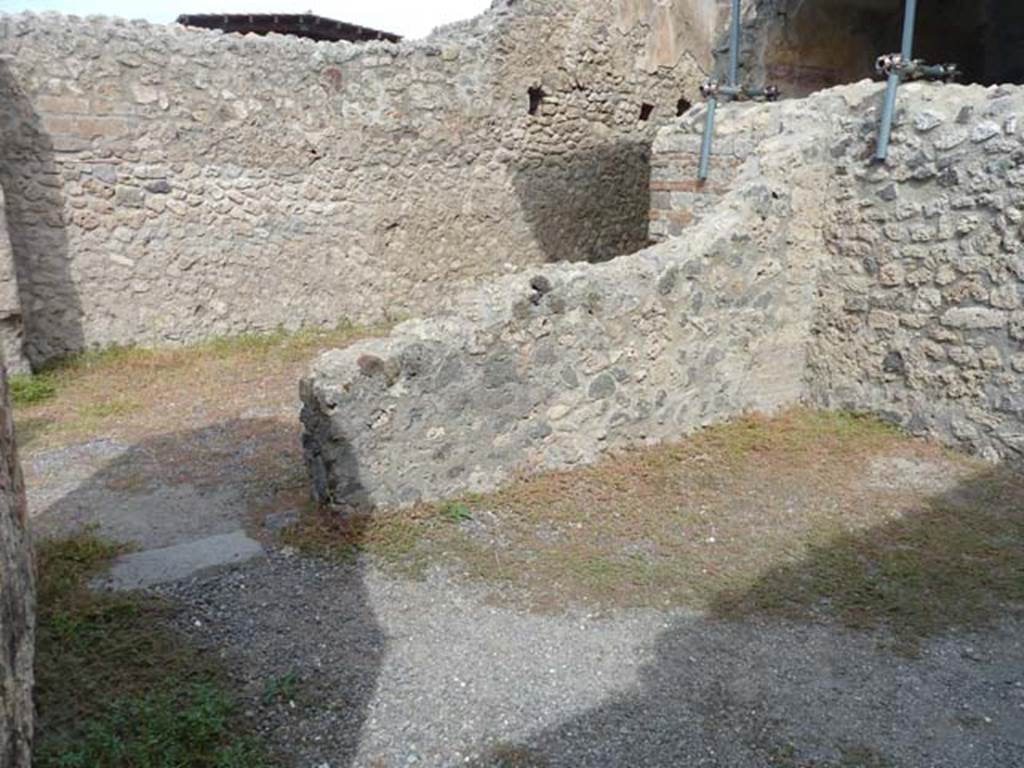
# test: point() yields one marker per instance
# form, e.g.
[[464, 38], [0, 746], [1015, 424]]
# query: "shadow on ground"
[[167, 489], [957, 562], [785, 674], [278, 621]]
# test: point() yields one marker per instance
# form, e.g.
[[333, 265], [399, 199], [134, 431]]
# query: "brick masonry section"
[[678, 197]]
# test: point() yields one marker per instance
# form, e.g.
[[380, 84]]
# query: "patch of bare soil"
[[807, 515], [131, 394], [161, 446]]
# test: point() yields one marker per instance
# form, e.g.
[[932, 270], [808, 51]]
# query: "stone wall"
[[919, 312], [809, 274], [678, 198], [17, 601], [921, 316], [553, 367], [166, 185], [11, 326]]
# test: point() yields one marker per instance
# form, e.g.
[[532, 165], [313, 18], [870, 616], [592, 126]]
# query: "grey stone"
[[159, 187], [894, 363], [138, 570], [540, 284], [129, 197], [950, 138], [602, 386], [105, 173], [569, 377], [973, 318], [499, 371], [984, 131], [927, 120]]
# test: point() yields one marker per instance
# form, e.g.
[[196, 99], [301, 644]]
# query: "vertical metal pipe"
[[734, 44], [889, 106], [705, 144], [734, 66], [909, 21]]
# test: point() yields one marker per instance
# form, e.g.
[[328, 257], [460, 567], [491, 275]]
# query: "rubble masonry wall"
[[167, 185], [803, 273]]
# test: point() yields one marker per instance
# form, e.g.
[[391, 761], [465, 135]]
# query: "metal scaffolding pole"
[[889, 106], [705, 144], [734, 65], [734, 44]]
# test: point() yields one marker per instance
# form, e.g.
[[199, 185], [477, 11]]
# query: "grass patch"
[[116, 358], [393, 536], [456, 512], [29, 389], [779, 517], [96, 412], [242, 345], [116, 687], [798, 431], [283, 688], [189, 726], [130, 392]]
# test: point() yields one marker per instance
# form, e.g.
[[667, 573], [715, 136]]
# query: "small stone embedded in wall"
[[974, 318], [894, 363], [927, 120], [1006, 296], [950, 139], [984, 131]]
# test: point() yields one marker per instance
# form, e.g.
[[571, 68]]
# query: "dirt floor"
[[809, 590]]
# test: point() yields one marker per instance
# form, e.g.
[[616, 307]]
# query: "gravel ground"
[[390, 672], [346, 665]]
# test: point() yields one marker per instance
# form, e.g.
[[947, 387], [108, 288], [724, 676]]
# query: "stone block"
[[62, 105], [974, 318]]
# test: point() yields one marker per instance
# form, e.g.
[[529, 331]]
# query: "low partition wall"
[[812, 275], [533, 373]]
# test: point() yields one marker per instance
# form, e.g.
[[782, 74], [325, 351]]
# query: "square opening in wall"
[[536, 95]]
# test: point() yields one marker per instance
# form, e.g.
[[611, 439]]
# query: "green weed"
[[116, 686], [456, 512], [174, 727], [29, 389], [282, 688]]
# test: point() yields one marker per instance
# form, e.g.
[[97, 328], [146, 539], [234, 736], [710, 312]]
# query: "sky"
[[411, 18]]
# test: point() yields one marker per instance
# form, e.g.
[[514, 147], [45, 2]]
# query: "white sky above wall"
[[411, 18]]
